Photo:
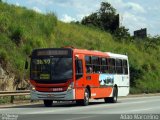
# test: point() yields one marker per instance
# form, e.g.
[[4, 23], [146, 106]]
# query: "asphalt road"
[[126, 108]]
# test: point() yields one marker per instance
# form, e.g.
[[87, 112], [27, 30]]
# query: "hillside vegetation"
[[22, 30]]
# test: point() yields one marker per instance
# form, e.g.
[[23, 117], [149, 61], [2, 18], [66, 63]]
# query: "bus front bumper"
[[66, 95]]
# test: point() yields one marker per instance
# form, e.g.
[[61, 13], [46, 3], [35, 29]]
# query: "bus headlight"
[[70, 86], [32, 88]]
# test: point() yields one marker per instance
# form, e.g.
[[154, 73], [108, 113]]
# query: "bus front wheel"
[[85, 101], [48, 103], [112, 99]]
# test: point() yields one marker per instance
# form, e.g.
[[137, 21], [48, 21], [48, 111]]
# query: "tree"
[[121, 33], [105, 18]]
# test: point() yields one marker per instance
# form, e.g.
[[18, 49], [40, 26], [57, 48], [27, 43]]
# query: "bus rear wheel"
[[85, 101], [112, 99], [48, 103]]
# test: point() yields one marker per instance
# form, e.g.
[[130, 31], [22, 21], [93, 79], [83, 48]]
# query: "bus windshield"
[[51, 69]]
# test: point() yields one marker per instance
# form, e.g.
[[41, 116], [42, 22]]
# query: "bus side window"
[[119, 69], [79, 69], [111, 65], [89, 67], [125, 67], [96, 64], [104, 65]]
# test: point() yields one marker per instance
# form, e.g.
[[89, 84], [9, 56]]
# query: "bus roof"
[[113, 55], [99, 53], [90, 52]]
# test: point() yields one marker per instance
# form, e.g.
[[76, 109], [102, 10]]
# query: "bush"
[[5, 99], [17, 34], [134, 90]]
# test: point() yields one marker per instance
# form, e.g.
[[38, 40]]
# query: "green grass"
[[4, 100], [7, 99], [23, 30]]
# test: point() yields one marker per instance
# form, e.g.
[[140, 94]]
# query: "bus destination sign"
[[52, 52]]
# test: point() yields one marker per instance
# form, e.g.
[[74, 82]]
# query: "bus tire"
[[85, 101], [48, 103], [112, 99]]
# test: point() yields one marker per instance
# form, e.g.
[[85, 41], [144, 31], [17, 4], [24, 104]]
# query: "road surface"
[[126, 108]]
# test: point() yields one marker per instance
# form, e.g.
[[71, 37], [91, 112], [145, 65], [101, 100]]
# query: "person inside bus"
[[89, 69]]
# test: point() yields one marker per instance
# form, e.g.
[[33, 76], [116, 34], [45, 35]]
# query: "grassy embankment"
[[22, 30]]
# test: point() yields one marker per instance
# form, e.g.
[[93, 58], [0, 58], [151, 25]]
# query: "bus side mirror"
[[26, 65]]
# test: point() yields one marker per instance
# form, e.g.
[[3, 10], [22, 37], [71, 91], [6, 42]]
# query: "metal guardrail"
[[14, 93]]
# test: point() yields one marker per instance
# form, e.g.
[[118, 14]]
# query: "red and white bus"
[[69, 74]]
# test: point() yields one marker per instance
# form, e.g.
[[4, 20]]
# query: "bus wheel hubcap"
[[86, 97]]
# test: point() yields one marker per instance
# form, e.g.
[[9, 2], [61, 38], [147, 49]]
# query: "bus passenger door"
[[79, 69], [79, 82]]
